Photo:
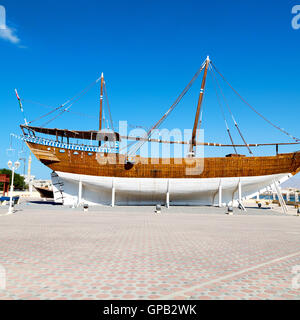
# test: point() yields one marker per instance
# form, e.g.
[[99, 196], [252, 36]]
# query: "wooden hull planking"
[[115, 165]]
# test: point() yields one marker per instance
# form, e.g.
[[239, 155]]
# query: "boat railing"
[[68, 146]]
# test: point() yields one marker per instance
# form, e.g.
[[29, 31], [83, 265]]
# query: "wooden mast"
[[101, 105], [193, 141], [101, 102]]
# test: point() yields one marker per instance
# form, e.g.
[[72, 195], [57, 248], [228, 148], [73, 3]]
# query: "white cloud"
[[9, 34]]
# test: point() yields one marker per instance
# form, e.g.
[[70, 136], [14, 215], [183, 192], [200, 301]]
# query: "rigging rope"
[[52, 119], [162, 119], [222, 110], [258, 113], [81, 114], [108, 106], [84, 91], [74, 99], [45, 115], [232, 116]]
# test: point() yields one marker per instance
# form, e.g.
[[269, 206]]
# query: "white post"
[[113, 192], [30, 187], [168, 195], [79, 192], [11, 190], [240, 191], [220, 194], [29, 174]]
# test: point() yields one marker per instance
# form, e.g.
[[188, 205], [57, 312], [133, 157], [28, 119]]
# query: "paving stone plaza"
[[51, 252]]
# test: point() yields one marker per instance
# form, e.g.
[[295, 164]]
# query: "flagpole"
[[21, 107]]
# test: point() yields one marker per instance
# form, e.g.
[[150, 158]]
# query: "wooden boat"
[[102, 175], [45, 193]]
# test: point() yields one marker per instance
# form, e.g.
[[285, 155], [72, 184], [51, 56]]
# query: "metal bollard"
[[158, 208], [229, 211]]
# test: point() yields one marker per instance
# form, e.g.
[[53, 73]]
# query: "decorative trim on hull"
[[96, 190]]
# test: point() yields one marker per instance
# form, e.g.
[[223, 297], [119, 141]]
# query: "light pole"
[[13, 169]]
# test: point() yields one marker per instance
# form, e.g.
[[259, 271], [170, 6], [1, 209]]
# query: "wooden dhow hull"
[[105, 179]]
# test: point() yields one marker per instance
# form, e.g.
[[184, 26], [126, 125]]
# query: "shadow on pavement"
[[45, 202]]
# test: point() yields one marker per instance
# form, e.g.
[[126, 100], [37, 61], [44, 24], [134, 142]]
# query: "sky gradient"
[[149, 51]]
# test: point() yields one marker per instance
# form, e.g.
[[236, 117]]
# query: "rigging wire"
[[162, 119], [75, 98], [84, 91], [81, 114], [108, 106], [222, 111], [45, 115], [58, 115], [258, 113], [232, 116], [51, 107], [37, 103]]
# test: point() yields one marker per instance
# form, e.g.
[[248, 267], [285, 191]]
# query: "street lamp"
[[13, 168]]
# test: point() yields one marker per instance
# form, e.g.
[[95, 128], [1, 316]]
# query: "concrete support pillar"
[[168, 195], [240, 191], [113, 193], [296, 197], [79, 192], [257, 196], [288, 198], [220, 194]]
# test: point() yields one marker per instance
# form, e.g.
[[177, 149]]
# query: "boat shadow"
[[47, 202]]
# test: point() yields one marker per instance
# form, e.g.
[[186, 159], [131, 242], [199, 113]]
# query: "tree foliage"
[[19, 183]]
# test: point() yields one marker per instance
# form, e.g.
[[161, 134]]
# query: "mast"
[[101, 105], [101, 102], [193, 141]]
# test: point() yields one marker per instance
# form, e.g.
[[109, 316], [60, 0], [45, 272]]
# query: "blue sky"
[[149, 51]]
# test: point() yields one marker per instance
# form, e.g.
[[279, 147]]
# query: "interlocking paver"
[[50, 252]]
